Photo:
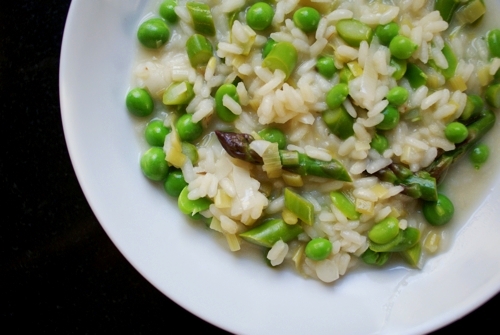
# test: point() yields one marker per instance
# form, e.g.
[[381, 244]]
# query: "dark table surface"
[[63, 273]]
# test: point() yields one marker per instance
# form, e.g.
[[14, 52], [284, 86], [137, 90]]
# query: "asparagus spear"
[[237, 145], [476, 130], [418, 184]]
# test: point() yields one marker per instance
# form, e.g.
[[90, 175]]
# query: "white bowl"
[[193, 267]]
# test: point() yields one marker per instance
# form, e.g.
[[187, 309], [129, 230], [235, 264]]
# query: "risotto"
[[317, 130]]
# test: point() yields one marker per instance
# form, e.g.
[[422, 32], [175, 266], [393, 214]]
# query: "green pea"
[[318, 249], [268, 47], [167, 11], [404, 240], [439, 212], [337, 95], [274, 135], [379, 143], [187, 129], [387, 32], [384, 231], [153, 164], [402, 47], [375, 258], [479, 155], [175, 183], [391, 118], [191, 207], [326, 66], [492, 95], [456, 132], [155, 133], [306, 19], [398, 95], [153, 33], [260, 16], [493, 41], [139, 102], [222, 111]]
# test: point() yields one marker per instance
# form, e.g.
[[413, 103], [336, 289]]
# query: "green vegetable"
[[456, 132], [439, 212], [353, 32], [167, 11], [190, 151], [384, 231], [153, 164], [493, 41], [306, 19], [452, 61], [300, 206], [344, 204], [337, 95], [412, 255], [416, 77], [191, 207], [237, 145], [472, 110], [139, 102], [175, 183], [339, 122], [268, 47], [472, 11], [476, 131], [400, 67], [178, 93], [492, 95], [260, 16], [153, 33], [420, 184], [187, 129], [318, 249], [402, 47], [391, 118], [283, 56], [274, 135], [345, 75], [446, 8], [155, 133], [387, 32], [479, 155], [397, 96], [272, 231], [199, 50], [203, 21], [375, 258], [379, 143], [326, 66], [222, 111], [404, 240]]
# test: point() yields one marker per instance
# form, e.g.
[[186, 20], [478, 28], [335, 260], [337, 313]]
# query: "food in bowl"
[[316, 130]]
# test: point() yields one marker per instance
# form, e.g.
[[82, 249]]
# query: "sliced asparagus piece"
[[237, 145]]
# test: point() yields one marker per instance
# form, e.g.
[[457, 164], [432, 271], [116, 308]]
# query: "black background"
[[63, 273]]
